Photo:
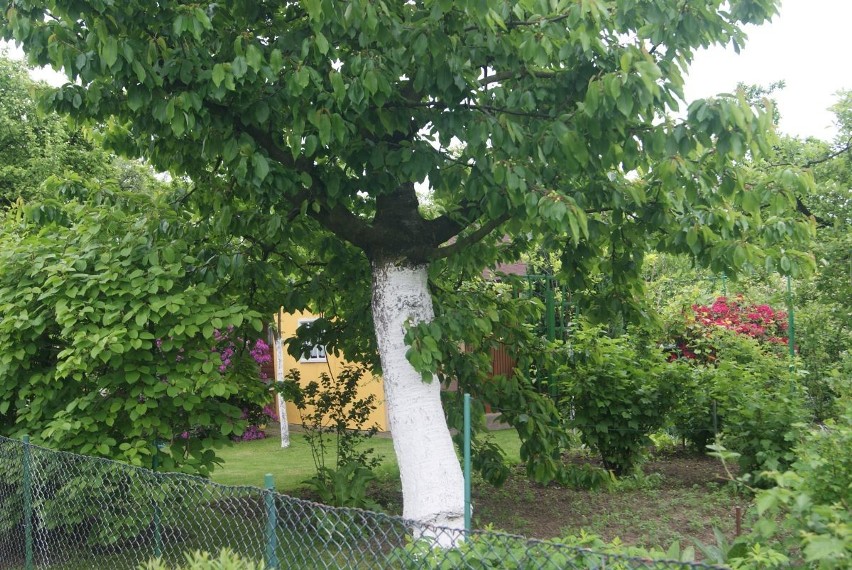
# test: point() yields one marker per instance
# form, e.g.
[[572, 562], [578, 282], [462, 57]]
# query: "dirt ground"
[[679, 498]]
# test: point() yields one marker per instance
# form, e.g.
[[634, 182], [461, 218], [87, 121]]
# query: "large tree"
[[318, 119], [35, 145]]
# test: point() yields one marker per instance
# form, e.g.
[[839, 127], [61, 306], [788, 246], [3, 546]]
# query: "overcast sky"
[[807, 46]]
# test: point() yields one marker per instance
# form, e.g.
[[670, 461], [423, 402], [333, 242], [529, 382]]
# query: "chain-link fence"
[[61, 510]]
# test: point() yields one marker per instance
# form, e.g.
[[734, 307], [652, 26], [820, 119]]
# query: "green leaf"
[[261, 112], [178, 124], [135, 99], [303, 77], [322, 43], [625, 103], [109, 51], [371, 82], [139, 69], [239, 66], [261, 166], [824, 547], [254, 57], [314, 9], [218, 74], [324, 128], [311, 142]]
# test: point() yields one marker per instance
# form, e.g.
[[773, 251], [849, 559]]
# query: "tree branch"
[[845, 148], [503, 76], [470, 239], [803, 209], [336, 219], [443, 228], [470, 106]]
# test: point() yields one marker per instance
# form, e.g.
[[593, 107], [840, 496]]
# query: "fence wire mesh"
[[59, 510]]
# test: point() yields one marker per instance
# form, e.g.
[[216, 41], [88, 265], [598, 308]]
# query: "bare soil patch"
[[680, 498]]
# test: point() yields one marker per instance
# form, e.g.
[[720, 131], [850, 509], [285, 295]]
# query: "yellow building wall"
[[310, 371]]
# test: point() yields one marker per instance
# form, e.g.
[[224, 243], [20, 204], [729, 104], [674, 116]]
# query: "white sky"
[[806, 45]]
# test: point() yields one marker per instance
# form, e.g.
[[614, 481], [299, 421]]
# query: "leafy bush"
[[226, 560], [760, 401], [696, 417], [620, 390], [334, 420], [91, 280], [825, 342], [492, 550], [812, 499], [70, 495], [740, 385], [693, 417], [345, 486]]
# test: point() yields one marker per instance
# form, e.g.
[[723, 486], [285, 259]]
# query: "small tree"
[[335, 421], [107, 331]]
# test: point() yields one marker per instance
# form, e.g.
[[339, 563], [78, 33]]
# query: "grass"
[[247, 462]]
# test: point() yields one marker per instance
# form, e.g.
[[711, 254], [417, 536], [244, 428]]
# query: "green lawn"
[[246, 463]]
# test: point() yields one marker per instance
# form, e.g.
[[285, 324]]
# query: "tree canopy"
[[33, 144], [338, 114]]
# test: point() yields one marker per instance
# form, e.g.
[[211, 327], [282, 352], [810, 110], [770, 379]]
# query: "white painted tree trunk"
[[282, 405], [432, 481]]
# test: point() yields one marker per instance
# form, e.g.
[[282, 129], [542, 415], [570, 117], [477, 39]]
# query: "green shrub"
[[812, 499], [334, 420], [226, 560], [345, 486], [98, 503], [513, 553], [760, 401], [620, 390], [692, 417], [825, 348]]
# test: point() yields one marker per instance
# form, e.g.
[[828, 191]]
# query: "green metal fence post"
[[467, 463], [28, 505], [550, 318], [550, 309], [158, 534], [791, 323], [271, 523]]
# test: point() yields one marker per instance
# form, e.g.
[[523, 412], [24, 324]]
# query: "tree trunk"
[[283, 422], [432, 482]]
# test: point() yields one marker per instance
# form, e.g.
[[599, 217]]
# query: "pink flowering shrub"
[[741, 385], [232, 351], [227, 345], [760, 322]]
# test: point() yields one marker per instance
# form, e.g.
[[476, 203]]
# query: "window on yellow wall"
[[312, 352]]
